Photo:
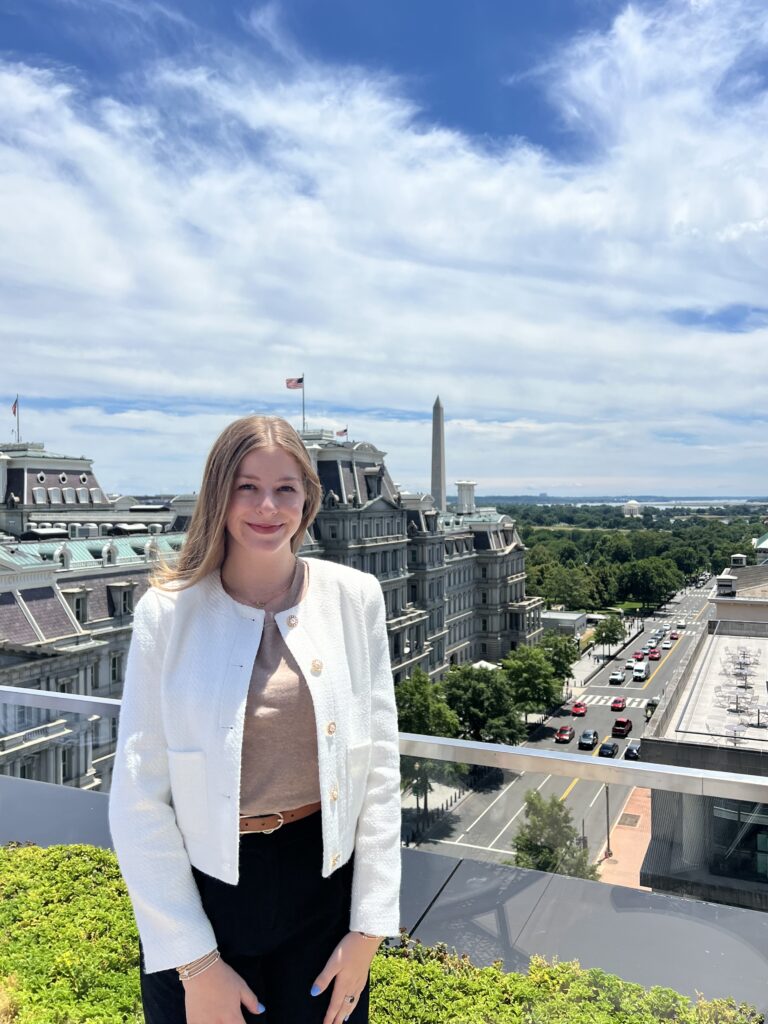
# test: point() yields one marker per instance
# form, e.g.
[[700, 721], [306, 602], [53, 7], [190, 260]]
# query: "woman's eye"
[[288, 487]]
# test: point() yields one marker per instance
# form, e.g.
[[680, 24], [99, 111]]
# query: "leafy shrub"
[[69, 955]]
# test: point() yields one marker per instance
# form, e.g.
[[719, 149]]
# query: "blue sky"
[[554, 215]]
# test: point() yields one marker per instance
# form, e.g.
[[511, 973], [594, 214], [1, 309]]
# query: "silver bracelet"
[[195, 967]]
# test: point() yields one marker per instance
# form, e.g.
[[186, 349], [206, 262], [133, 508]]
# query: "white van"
[[680, 624], [641, 671]]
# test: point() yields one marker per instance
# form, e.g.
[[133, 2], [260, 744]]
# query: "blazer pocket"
[[188, 790], [358, 761]]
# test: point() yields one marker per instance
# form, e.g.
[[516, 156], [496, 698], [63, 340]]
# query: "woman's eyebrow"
[[247, 476]]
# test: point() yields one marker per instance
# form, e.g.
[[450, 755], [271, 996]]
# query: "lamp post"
[[608, 850]]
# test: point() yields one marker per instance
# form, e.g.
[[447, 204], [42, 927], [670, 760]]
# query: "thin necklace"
[[266, 600]]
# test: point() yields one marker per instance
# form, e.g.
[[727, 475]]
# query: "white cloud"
[[242, 221]]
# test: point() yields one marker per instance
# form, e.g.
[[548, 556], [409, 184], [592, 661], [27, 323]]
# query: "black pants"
[[276, 928]]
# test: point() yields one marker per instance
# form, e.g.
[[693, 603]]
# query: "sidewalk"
[[629, 841]]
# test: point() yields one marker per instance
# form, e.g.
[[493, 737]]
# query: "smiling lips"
[[265, 528]]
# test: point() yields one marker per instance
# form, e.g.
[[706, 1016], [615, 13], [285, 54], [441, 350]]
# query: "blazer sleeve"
[[376, 875], [173, 926]]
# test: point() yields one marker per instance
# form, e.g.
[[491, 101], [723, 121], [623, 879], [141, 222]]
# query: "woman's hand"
[[215, 995], [348, 964]]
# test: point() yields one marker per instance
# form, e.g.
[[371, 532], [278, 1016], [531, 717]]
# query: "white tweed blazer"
[[175, 794]]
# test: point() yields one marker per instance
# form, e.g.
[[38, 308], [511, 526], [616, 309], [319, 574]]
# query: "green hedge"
[[69, 955]]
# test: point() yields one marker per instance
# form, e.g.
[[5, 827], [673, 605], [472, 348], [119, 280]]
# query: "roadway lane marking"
[[501, 794], [597, 794], [518, 812], [470, 846], [570, 786]]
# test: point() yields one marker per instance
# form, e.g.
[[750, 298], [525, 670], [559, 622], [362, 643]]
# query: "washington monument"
[[438, 455]]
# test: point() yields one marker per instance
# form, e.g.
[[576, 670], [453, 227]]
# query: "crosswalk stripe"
[[594, 699]]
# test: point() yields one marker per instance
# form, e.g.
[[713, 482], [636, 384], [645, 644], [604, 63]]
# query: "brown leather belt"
[[272, 822]]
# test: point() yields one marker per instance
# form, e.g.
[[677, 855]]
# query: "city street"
[[483, 824]]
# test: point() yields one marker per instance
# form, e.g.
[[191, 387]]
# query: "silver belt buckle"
[[264, 831], [269, 831]]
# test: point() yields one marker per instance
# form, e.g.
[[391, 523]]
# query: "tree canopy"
[[548, 841]]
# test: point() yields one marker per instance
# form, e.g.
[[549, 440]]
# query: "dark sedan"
[[608, 750], [588, 739]]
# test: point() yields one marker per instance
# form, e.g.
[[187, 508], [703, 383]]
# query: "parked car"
[[608, 749], [588, 739], [622, 727], [579, 708], [639, 656], [565, 734], [618, 703], [632, 753], [617, 676], [666, 645], [654, 654]]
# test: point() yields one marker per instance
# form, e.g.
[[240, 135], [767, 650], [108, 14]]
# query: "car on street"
[[639, 656], [632, 753], [579, 708], [608, 749], [622, 727], [617, 676], [565, 734], [654, 654], [618, 703], [588, 739], [629, 665], [646, 649], [666, 645], [674, 636]]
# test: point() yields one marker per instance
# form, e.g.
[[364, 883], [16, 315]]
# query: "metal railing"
[[672, 778]]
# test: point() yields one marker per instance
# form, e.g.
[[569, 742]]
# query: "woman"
[[255, 800]]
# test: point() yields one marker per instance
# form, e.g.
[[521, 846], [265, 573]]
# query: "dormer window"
[[69, 495], [96, 495], [62, 478], [54, 494], [82, 495], [39, 496]]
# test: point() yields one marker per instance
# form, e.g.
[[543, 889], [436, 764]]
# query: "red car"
[[618, 704], [654, 654], [622, 727], [638, 656], [565, 734], [674, 636], [579, 708]]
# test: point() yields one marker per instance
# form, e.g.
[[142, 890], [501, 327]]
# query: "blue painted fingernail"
[[315, 990], [262, 1008]]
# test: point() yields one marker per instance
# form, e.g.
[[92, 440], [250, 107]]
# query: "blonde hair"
[[205, 547]]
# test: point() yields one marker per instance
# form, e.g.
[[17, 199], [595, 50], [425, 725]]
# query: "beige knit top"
[[279, 756]]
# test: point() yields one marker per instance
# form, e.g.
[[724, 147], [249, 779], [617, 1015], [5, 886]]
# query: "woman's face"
[[266, 503]]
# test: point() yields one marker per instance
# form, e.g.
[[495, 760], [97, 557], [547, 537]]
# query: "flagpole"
[[303, 387], [18, 435]]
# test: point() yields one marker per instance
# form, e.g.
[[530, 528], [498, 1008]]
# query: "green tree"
[[482, 698], [422, 709], [532, 680], [548, 841], [608, 631], [651, 580], [561, 651]]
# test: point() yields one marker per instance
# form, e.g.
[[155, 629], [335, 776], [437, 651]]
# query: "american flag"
[[15, 406], [342, 433], [294, 383]]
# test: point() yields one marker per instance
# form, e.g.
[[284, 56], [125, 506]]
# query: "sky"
[[554, 215]]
